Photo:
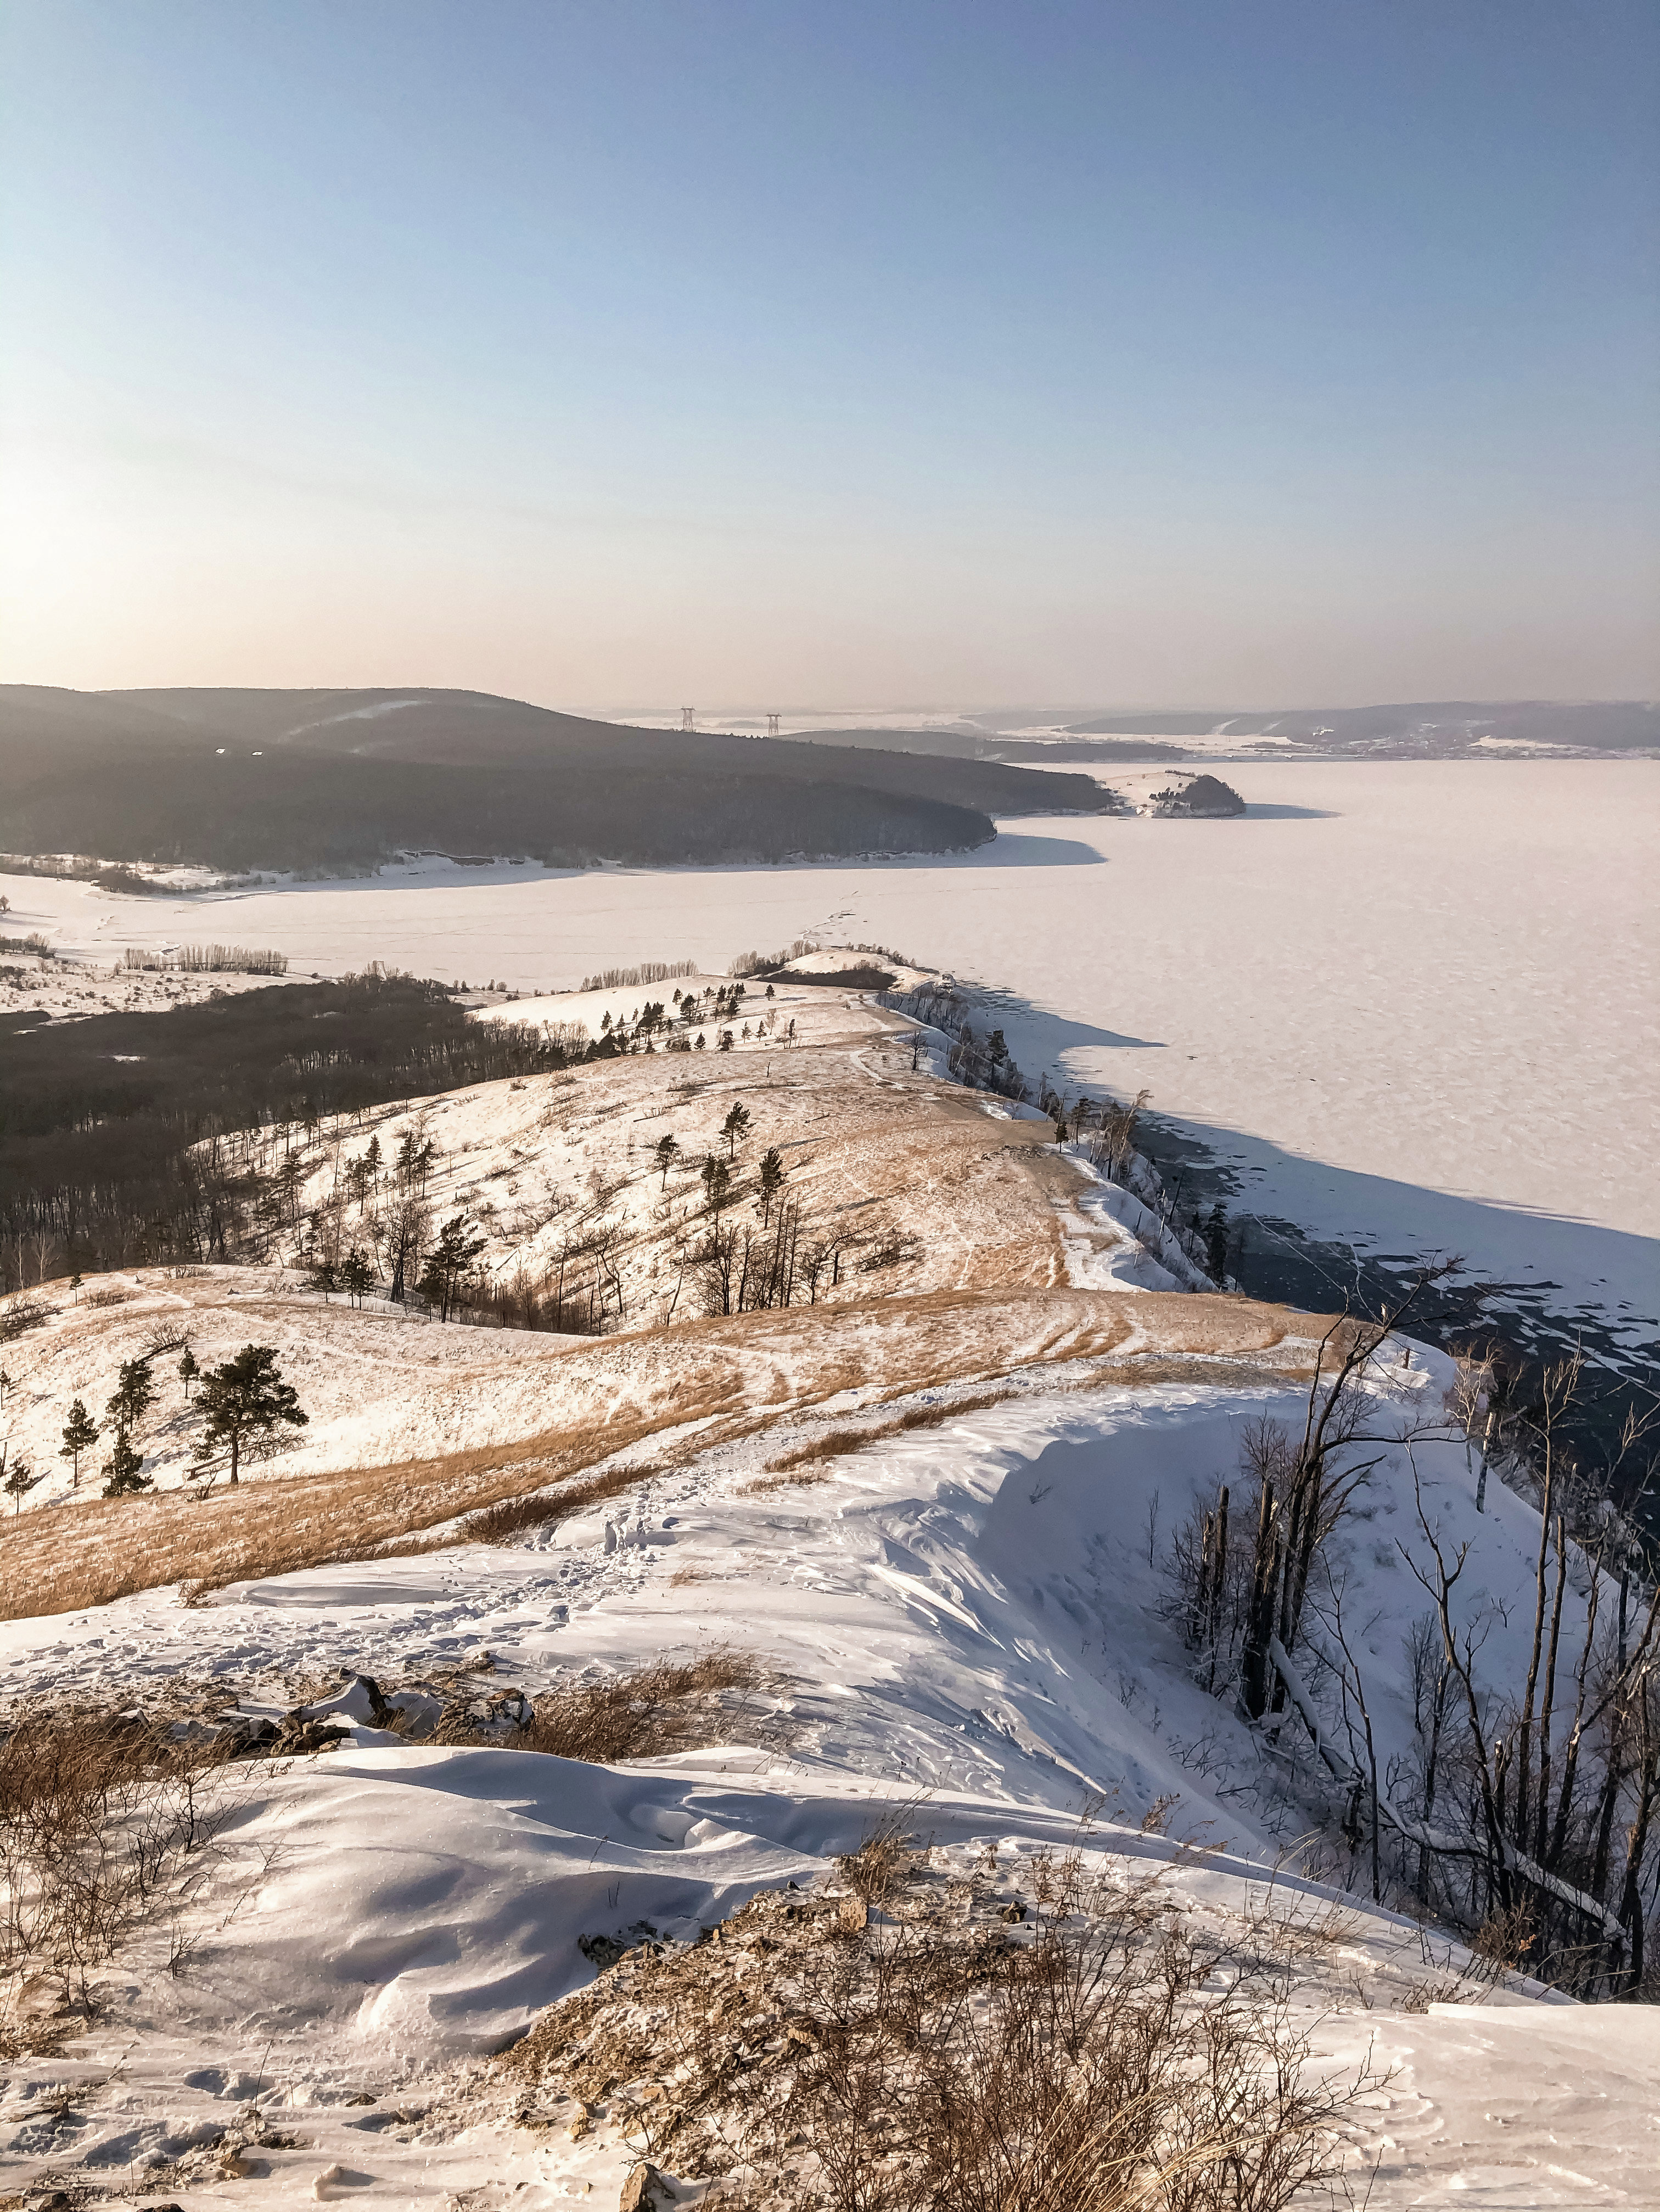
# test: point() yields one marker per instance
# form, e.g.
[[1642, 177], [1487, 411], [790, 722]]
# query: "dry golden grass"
[[735, 1375], [102, 1817], [655, 1710], [801, 1465], [921, 2043]]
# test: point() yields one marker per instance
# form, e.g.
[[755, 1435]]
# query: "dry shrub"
[[1505, 1936], [102, 1819], [940, 2059], [886, 1860], [22, 1314], [657, 1709]]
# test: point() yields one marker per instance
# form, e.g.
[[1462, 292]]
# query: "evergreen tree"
[[80, 1434], [18, 1482], [449, 1264], [772, 1178], [188, 1372], [124, 1475], [245, 1398], [323, 1278], [667, 1153], [717, 1181], [135, 1393], [356, 1276], [735, 1126]]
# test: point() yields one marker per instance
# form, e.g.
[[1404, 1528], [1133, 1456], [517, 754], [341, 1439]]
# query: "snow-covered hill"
[[933, 1518]]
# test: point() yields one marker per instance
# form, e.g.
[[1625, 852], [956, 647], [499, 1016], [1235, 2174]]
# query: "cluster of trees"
[[1524, 1812], [1199, 795], [141, 1139], [241, 1404], [980, 1059]]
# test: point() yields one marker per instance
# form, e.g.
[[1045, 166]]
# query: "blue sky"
[[836, 355]]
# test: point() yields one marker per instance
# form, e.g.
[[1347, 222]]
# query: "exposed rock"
[[357, 1702], [645, 2191]]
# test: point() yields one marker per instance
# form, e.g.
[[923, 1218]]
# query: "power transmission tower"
[[689, 718], [772, 726]]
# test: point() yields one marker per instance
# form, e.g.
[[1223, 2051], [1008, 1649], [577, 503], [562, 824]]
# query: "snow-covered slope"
[[933, 1514], [963, 1621]]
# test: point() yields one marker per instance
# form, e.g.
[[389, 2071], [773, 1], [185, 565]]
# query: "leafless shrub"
[[656, 1709], [21, 1314], [888, 1248], [816, 2059], [1451, 1989], [886, 1859], [101, 1819], [1506, 1935]]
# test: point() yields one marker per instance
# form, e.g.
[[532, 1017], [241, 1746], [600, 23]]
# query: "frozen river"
[[1412, 1006]]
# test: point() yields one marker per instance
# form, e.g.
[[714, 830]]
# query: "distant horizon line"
[[743, 709]]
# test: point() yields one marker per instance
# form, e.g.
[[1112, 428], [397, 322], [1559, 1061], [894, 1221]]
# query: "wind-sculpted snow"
[[962, 1622], [931, 1515]]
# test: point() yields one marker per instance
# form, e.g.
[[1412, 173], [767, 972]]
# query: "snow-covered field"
[[1413, 1004], [965, 1622], [957, 1606]]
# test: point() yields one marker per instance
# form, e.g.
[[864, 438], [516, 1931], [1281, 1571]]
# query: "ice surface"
[[1416, 1003]]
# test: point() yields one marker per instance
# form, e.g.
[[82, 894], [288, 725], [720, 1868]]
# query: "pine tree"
[[717, 1181], [735, 1126], [449, 1264], [246, 1398], [188, 1372], [667, 1153], [124, 1475], [323, 1278], [18, 1482], [135, 1393], [772, 1178], [80, 1433], [356, 1276]]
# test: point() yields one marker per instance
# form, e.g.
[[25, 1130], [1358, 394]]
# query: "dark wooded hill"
[[242, 779]]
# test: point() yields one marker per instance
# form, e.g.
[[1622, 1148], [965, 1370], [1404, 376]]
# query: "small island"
[[1201, 798]]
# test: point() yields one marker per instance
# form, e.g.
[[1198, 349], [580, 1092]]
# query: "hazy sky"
[[817, 354]]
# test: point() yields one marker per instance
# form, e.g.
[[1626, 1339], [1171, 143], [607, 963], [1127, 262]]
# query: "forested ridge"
[[117, 1134], [247, 780]]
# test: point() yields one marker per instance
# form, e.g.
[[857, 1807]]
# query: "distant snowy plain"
[[1413, 1005]]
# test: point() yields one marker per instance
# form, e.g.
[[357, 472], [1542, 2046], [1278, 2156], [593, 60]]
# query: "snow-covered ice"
[[1413, 1003]]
